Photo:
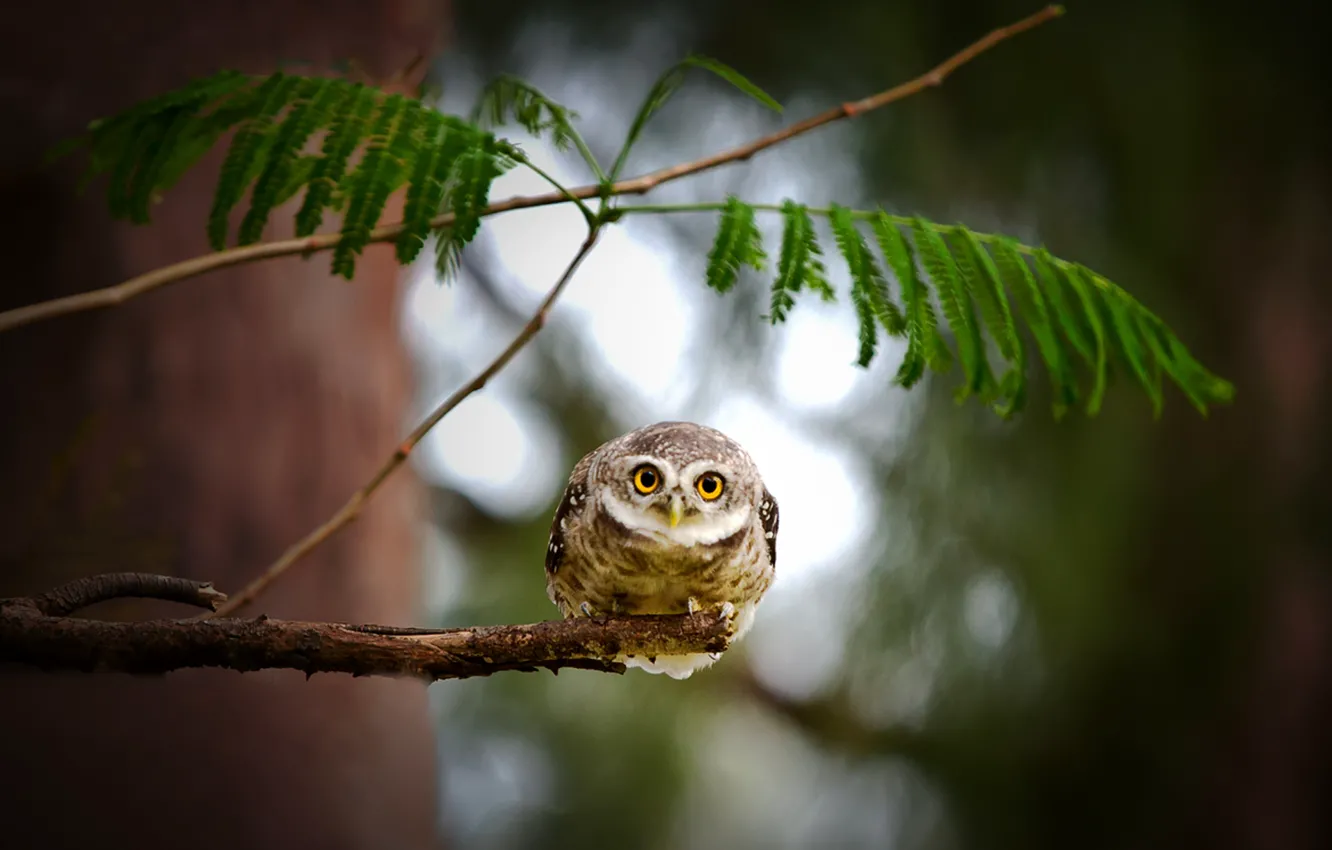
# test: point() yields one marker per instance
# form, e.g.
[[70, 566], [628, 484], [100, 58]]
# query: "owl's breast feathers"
[[593, 558]]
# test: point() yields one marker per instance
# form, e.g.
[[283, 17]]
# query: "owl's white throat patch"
[[698, 531]]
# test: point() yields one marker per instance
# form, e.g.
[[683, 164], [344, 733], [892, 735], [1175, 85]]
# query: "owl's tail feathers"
[[675, 666]]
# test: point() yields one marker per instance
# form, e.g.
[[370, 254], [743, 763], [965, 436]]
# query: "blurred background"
[[1100, 633]]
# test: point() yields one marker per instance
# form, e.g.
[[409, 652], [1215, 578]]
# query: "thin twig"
[[352, 508], [81, 593], [30, 636], [121, 292]]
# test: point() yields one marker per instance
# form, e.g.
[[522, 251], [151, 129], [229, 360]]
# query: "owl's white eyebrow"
[[707, 464]]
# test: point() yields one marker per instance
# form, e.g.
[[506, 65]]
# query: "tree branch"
[[30, 636], [69, 598], [352, 508], [122, 292]]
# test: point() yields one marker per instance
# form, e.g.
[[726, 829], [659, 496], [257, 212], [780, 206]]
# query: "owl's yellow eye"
[[646, 479], [710, 485]]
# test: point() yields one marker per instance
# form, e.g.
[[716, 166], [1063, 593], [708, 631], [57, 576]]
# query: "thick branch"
[[121, 292], [30, 637]]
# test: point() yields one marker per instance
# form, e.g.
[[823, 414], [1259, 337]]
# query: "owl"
[[669, 519]]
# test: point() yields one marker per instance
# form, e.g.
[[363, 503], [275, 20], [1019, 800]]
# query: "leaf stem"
[[588, 215]]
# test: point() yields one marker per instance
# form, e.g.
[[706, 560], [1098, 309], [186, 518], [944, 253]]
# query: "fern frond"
[[869, 290], [344, 137], [1057, 293], [1199, 385], [158, 145], [474, 170], [988, 286], [799, 264], [981, 276], [1014, 270], [425, 187], [313, 103], [925, 346], [508, 98], [373, 143], [1131, 343], [246, 154], [142, 142], [953, 297], [738, 243], [1101, 368], [378, 174]]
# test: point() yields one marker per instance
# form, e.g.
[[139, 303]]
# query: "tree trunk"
[[198, 431]]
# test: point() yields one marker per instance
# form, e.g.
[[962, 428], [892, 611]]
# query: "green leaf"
[[1080, 285], [1031, 303], [343, 138], [1120, 308], [246, 154], [939, 265], [981, 277], [1056, 292], [1200, 386], [666, 85], [473, 172], [375, 178], [738, 243], [425, 188], [925, 346], [158, 141], [314, 101], [508, 97], [735, 78], [869, 290], [799, 264]]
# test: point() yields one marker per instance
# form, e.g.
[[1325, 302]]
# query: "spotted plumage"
[[663, 520]]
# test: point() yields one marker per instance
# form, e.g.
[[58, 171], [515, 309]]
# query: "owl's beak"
[[677, 510]]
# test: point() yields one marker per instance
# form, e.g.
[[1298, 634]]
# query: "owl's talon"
[[692, 605], [727, 610], [586, 609]]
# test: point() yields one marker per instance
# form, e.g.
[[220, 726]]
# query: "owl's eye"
[[646, 479], [710, 485]]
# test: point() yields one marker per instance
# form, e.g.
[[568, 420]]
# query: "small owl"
[[668, 519]]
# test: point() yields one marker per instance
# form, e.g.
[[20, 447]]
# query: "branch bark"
[[31, 636]]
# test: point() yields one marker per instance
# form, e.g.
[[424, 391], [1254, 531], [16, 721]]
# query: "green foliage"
[[925, 346], [507, 97], [738, 243], [667, 84], [371, 144], [988, 286], [799, 264], [869, 290]]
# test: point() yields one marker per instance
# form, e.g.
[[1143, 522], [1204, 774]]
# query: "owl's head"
[[686, 483]]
